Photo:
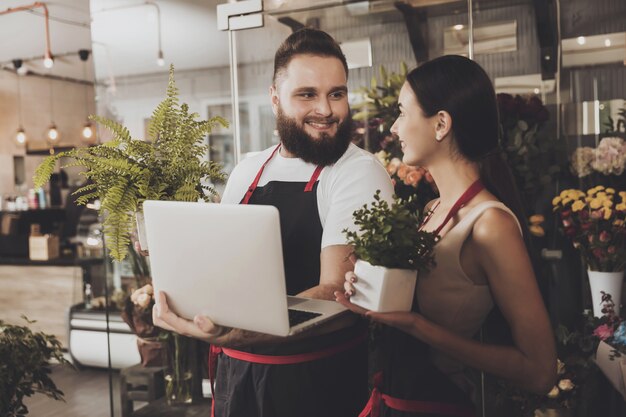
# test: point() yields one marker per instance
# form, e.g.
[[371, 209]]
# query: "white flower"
[[566, 385], [554, 392], [560, 367]]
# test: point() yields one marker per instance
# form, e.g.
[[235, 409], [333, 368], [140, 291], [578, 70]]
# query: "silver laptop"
[[226, 262]]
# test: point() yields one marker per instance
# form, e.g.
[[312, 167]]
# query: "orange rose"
[[402, 171], [413, 178]]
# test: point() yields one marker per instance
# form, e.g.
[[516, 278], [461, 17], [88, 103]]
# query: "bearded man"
[[316, 178]]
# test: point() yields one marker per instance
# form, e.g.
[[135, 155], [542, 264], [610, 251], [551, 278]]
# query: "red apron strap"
[[293, 359], [314, 177], [214, 351], [254, 184], [372, 408], [470, 193], [428, 407]]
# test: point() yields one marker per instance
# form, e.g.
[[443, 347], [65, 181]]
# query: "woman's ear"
[[443, 126]]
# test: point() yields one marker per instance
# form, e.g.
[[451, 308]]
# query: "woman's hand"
[[405, 321], [200, 328]]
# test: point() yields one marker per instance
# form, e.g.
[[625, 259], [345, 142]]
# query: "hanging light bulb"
[[53, 133], [160, 60], [87, 131], [20, 136], [48, 60]]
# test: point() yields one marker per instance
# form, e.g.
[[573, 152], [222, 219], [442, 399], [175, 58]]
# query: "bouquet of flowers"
[[531, 151], [595, 223], [409, 182], [609, 158]]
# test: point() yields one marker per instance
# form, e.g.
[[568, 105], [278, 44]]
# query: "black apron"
[[409, 385], [328, 386]]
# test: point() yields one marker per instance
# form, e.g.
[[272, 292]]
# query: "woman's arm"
[[502, 255]]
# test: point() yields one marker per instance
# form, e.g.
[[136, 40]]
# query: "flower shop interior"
[[559, 71]]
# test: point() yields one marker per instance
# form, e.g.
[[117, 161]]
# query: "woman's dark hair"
[[307, 41], [462, 88], [459, 86]]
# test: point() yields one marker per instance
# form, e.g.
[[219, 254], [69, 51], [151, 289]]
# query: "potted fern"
[[390, 249], [124, 172]]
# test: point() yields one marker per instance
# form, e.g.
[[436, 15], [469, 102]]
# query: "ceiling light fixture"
[[48, 58], [160, 60], [20, 135], [607, 42], [581, 40], [458, 27], [52, 135], [87, 133]]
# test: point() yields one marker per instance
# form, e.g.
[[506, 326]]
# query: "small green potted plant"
[[390, 250], [124, 172], [25, 367]]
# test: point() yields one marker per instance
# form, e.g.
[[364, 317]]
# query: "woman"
[[448, 124]]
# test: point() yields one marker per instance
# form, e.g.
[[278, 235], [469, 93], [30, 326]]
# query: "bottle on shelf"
[[88, 297]]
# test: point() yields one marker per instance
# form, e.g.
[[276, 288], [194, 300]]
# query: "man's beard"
[[323, 151]]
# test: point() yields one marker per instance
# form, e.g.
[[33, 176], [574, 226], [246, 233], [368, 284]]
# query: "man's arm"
[[334, 263]]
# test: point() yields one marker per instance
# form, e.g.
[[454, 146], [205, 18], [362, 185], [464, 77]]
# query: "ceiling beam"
[[417, 28], [545, 18]]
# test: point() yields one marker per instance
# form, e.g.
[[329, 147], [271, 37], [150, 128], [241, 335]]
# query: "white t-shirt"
[[343, 187]]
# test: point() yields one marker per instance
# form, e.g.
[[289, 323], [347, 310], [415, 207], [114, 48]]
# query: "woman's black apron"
[[324, 376], [409, 385]]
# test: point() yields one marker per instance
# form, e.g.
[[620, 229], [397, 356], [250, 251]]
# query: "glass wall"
[[558, 69]]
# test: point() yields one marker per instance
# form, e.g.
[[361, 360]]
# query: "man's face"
[[310, 101]]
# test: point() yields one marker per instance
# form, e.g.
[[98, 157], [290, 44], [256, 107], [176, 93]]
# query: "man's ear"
[[274, 99]]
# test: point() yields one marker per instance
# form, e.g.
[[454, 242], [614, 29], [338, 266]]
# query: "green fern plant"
[[124, 172]]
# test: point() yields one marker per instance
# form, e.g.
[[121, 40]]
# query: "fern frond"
[[44, 171]]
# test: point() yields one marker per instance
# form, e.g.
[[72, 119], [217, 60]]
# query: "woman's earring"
[[438, 137]]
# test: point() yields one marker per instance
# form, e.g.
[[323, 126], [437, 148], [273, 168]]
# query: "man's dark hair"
[[307, 41]]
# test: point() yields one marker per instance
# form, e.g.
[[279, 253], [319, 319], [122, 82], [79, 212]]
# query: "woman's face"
[[415, 131]]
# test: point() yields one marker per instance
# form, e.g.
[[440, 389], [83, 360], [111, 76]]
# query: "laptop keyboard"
[[299, 316]]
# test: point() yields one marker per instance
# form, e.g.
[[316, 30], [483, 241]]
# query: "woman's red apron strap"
[[467, 196], [372, 408]]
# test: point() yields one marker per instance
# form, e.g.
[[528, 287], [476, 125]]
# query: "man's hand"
[[200, 328], [139, 250]]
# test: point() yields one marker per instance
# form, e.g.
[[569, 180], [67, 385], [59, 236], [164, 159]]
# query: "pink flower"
[[604, 236], [597, 214], [603, 332]]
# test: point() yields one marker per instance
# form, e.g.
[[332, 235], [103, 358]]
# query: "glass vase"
[[178, 371]]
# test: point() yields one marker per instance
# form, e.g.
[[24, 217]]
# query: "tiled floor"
[[86, 394]]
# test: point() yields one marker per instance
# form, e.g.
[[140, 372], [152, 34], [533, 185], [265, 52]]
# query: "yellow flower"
[[600, 187], [591, 191], [588, 199], [618, 223], [601, 194], [556, 200], [607, 213], [564, 193], [566, 200], [607, 203], [536, 219], [621, 207], [595, 203], [554, 392], [536, 230], [622, 194], [610, 191], [578, 205]]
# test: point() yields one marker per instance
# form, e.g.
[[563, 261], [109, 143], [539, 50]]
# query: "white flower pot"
[[141, 230], [383, 289], [610, 283]]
